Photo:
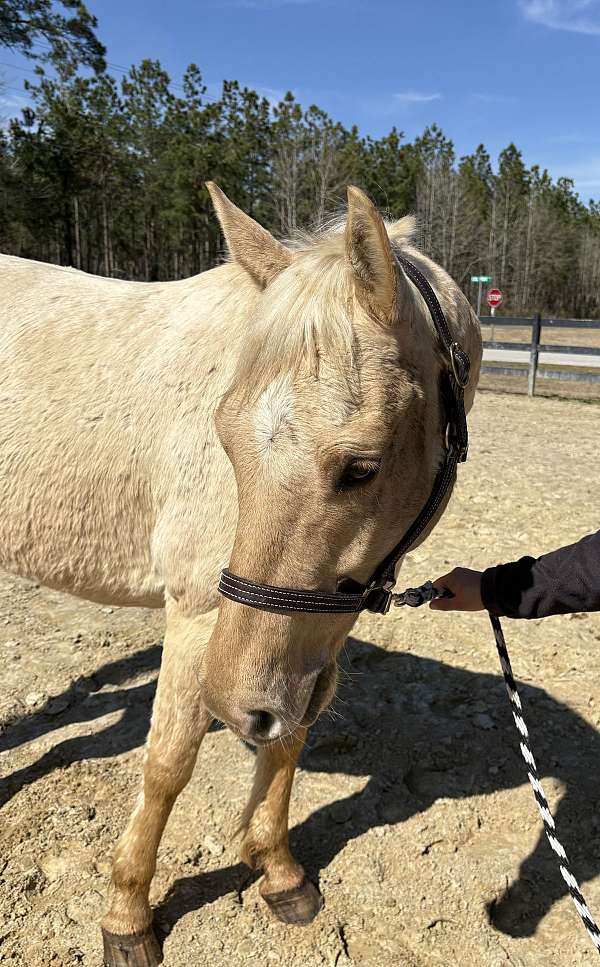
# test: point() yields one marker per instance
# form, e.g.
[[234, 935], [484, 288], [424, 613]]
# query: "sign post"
[[494, 299], [480, 279]]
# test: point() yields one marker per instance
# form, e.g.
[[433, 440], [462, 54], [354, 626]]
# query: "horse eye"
[[358, 472]]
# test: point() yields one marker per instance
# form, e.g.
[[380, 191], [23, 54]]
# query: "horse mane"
[[306, 312]]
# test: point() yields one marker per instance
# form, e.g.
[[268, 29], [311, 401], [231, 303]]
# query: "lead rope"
[[538, 792], [414, 598]]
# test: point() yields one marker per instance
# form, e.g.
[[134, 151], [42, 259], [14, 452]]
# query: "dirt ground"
[[411, 807]]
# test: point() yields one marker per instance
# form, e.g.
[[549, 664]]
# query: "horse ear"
[[369, 252], [249, 244]]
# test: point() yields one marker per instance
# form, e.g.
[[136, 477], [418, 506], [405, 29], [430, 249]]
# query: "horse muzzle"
[[266, 719]]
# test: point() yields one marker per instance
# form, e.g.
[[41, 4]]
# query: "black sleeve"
[[562, 582]]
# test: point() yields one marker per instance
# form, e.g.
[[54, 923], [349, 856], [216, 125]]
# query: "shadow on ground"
[[418, 728]]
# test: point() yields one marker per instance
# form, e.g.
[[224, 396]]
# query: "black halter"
[[377, 595]]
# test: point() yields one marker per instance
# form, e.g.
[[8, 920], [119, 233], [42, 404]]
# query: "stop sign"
[[494, 298]]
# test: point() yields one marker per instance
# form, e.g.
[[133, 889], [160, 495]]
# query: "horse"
[[280, 414]]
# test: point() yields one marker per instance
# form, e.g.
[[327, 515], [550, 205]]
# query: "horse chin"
[[322, 695]]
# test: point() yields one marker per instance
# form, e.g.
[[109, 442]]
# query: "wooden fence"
[[539, 360]]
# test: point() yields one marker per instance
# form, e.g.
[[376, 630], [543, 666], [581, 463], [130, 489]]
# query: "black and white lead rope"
[[540, 798], [414, 598]]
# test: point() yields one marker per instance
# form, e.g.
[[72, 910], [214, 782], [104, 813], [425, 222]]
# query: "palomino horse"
[[282, 413]]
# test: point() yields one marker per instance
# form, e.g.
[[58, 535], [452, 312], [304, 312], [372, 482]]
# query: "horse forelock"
[[306, 316]]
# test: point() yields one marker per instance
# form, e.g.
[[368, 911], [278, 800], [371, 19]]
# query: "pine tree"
[[35, 28], [111, 179]]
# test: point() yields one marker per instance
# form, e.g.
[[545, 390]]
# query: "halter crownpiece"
[[377, 596]]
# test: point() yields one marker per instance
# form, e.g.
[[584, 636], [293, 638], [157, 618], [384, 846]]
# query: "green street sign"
[[481, 278]]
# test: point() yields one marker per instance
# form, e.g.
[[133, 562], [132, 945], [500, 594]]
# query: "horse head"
[[333, 424]]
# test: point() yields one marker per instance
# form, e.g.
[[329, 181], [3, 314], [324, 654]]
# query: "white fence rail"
[[558, 362]]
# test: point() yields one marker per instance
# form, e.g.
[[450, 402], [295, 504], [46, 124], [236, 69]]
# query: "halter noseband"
[[376, 596]]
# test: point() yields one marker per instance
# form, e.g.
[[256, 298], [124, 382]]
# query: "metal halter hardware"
[[377, 596]]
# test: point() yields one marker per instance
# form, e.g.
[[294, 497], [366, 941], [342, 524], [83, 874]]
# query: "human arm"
[[564, 581]]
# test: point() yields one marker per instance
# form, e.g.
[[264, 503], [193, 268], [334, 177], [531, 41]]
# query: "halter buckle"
[[461, 365], [378, 599]]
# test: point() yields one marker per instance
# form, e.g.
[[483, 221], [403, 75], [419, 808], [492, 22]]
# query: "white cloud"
[[579, 16], [416, 97], [273, 94]]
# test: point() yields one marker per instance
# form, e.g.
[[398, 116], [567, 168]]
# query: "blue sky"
[[495, 71]]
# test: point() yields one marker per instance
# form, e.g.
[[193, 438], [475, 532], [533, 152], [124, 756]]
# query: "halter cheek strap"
[[377, 595]]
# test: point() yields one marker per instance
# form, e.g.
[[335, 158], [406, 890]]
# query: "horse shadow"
[[419, 729], [88, 698]]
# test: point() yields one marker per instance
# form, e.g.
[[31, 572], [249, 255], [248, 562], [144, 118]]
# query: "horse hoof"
[[298, 906], [131, 949]]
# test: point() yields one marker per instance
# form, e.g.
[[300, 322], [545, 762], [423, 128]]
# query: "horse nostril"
[[263, 725]]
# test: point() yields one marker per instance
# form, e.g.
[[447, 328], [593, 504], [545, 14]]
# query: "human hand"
[[465, 591]]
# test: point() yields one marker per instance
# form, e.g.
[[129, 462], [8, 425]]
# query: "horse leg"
[[179, 723], [284, 886]]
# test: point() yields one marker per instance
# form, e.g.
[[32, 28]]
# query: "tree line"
[[108, 174]]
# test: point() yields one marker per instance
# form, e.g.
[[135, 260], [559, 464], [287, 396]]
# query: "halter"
[[377, 596]]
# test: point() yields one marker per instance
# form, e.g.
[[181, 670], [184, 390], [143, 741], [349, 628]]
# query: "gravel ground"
[[411, 807]]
